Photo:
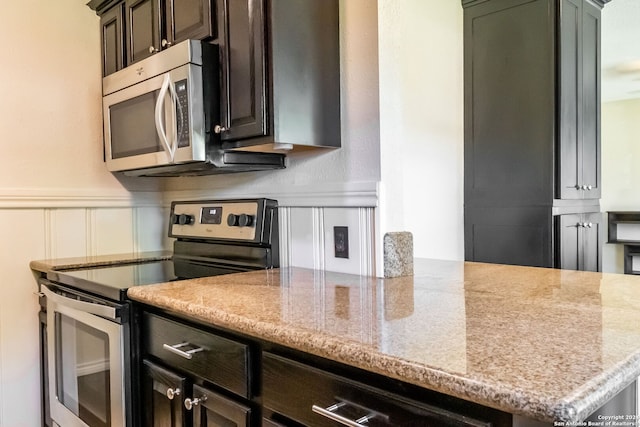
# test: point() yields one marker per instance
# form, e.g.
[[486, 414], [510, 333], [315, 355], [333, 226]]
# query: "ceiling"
[[621, 50]]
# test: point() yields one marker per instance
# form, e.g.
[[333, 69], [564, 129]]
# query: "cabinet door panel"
[[579, 240], [568, 229], [189, 19], [590, 165], [112, 39], [214, 410], [579, 129], [242, 50], [592, 242], [510, 100], [569, 181], [143, 28], [159, 385], [506, 235]]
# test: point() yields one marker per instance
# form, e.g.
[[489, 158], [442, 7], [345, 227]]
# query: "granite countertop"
[[552, 345]]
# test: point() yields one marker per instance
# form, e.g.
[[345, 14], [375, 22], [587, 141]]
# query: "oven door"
[[156, 122], [85, 362]]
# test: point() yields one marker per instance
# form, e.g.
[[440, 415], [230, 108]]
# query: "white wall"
[[421, 124], [620, 168]]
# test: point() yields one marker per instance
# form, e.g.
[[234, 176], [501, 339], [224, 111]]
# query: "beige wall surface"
[[620, 168], [50, 101]]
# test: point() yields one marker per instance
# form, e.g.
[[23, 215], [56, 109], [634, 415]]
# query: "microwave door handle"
[[159, 112], [174, 111]]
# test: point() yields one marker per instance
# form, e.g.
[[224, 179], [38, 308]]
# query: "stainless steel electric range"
[[89, 336]]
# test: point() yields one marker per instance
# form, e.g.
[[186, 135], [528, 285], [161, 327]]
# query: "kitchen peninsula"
[[543, 344]]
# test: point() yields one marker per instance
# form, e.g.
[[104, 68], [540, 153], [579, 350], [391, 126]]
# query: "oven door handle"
[[87, 307]]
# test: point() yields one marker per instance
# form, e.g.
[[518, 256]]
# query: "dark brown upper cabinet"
[[154, 25], [133, 30], [243, 47], [143, 29], [280, 67], [188, 19], [279, 78], [112, 39]]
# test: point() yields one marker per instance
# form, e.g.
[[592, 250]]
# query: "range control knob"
[[232, 220], [183, 219], [242, 220], [245, 220]]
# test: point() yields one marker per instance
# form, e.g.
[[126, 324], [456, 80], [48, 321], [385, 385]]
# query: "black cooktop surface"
[[113, 281]]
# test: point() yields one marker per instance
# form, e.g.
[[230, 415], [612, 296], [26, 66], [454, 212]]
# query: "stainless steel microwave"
[[160, 117]]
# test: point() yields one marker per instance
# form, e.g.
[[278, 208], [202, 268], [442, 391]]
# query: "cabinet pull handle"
[[171, 393], [329, 412], [220, 129], [165, 43], [190, 403], [175, 349], [589, 187], [153, 49]]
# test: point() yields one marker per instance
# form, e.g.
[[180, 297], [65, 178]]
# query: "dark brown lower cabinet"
[[172, 400], [162, 392], [536, 237], [298, 394], [579, 241], [193, 377]]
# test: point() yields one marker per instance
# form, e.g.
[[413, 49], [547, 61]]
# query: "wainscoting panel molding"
[[39, 230], [309, 237]]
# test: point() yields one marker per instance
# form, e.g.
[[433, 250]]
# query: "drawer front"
[[222, 361], [315, 398]]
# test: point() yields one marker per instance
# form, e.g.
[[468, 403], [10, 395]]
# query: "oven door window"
[[85, 367], [83, 370]]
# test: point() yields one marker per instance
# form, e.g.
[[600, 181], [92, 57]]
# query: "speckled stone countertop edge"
[[352, 353], [598, 391], [70, 263]]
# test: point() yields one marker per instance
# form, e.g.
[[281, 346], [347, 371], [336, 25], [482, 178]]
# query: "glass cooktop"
[[113, 281]]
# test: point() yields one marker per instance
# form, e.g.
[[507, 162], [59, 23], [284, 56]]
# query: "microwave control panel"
[[182, 112]]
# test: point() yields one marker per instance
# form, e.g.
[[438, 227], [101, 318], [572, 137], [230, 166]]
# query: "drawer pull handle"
[[330, 413], [176, 349]]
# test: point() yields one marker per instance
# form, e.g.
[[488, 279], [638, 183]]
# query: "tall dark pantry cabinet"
[[532, 132]]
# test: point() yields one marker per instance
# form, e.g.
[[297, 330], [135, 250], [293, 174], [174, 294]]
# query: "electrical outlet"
[[341, 242]]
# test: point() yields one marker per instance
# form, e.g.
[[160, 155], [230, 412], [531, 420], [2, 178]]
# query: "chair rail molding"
[[36, 198]]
